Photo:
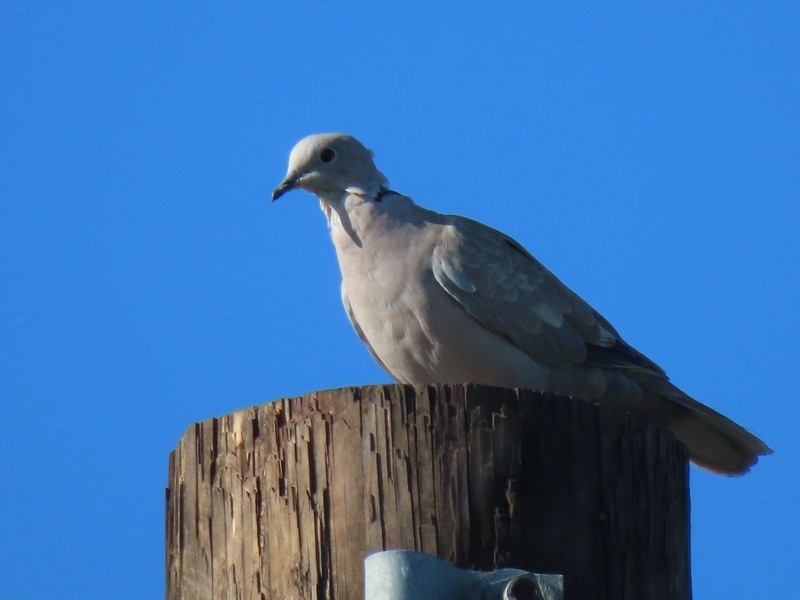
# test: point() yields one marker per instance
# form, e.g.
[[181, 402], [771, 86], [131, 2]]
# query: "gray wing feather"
[[509, 292]]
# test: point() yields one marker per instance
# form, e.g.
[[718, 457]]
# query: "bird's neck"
[[352, 217]]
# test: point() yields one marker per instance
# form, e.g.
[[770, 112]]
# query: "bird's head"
[[331, 164]]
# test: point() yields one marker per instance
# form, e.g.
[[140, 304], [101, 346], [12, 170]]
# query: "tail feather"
[[714, 441]]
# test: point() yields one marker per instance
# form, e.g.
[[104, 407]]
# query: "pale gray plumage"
[[444, 299]]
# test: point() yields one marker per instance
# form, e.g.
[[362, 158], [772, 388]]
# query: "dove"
[[440, 298]]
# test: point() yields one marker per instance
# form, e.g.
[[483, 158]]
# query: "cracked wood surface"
[[284, 500]]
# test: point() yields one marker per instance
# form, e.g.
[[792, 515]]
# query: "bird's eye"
[[327, 155]]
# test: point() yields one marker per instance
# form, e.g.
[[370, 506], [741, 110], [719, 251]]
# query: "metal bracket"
[[410, 575]]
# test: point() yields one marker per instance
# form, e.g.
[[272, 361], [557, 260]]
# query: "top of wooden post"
[[285, 499]]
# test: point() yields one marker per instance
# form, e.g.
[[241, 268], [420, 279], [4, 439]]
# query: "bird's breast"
[[419, 333]]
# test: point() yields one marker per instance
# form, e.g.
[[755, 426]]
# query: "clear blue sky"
[[646, 152]]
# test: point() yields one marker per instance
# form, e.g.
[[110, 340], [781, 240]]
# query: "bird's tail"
[[714, 441]]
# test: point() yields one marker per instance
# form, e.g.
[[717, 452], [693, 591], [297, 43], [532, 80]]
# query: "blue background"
[[647, 153]]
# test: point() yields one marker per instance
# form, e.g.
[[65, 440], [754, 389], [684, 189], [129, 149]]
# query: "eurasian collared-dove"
[[444, 299]]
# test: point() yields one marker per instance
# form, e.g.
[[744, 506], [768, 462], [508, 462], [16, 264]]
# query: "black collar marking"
[[381, 193]]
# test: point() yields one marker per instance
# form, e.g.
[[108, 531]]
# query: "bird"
[[440, 298]]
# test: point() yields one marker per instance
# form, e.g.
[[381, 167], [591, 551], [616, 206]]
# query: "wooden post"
[[283, 501]]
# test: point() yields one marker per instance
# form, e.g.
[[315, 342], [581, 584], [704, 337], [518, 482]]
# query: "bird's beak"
[[286, 185]]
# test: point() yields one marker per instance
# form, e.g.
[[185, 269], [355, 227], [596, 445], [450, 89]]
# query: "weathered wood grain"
[[284, 500]]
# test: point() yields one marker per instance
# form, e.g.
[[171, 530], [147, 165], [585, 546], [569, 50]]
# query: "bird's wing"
[[508, 291]]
